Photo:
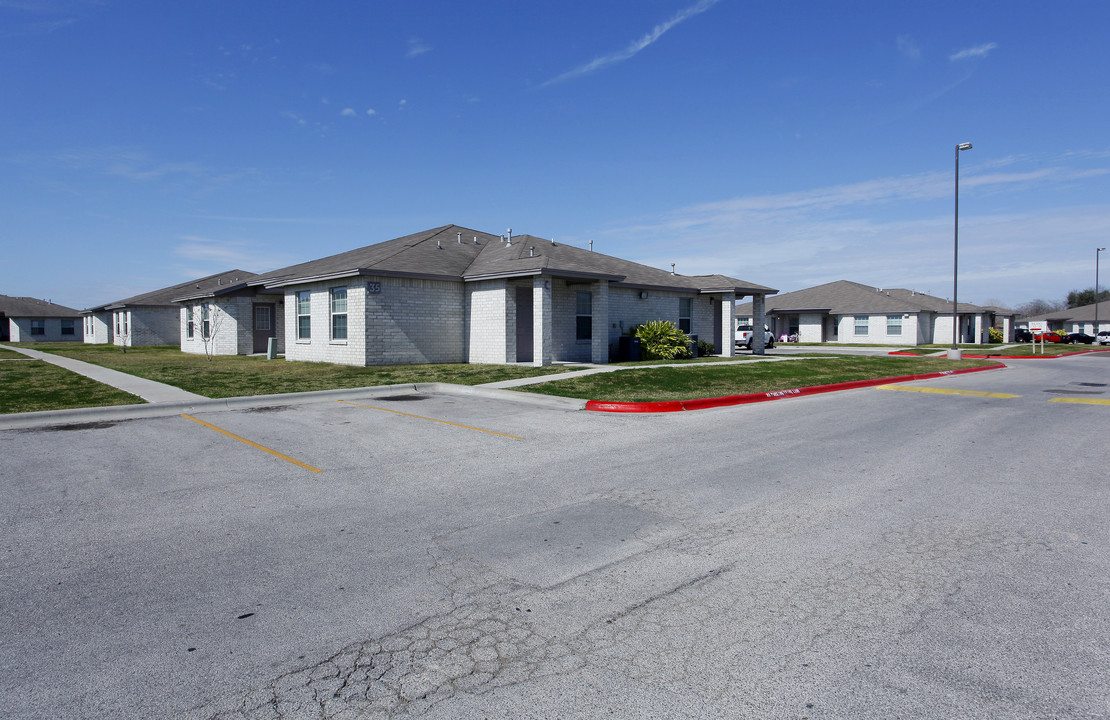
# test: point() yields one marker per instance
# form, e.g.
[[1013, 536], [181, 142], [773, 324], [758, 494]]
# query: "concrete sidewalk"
[[149, 390]]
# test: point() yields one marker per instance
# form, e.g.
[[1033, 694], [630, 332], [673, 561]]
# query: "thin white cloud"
[[371, 111], [348, 112], [636, 46], [972, 52], [908, 48], [417, 47]]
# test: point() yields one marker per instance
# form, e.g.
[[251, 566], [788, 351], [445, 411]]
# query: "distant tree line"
[[1076, 298]]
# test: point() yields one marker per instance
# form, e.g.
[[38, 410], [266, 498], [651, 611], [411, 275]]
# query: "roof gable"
[[33, 308]]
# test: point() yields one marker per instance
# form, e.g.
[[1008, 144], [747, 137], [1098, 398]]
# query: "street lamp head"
[[963, 146]]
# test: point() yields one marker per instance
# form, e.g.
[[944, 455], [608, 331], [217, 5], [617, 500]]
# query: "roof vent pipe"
[[552, 241], [219, 281], [591, 244], [460, 237], [475, 239], [438, 246], [532, 251], [672, 268], [510, 234]]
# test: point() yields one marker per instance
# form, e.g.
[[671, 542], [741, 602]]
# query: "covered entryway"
[[263, 327]]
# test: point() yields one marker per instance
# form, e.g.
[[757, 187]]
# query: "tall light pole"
[[1097, 251], [954, 353]]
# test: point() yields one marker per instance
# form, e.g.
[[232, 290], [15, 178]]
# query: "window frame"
[[338, 334], [38, 326], [583, 320], [189, 330], [686, 321], [70, 329], [857, 325], [893, 321], [303, 301], [205, 322]]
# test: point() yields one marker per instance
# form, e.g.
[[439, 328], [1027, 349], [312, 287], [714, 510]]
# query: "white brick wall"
[[152, 325], [409, 321], [490, 327], [98, 327]]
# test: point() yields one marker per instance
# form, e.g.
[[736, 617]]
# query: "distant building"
[[152, 318], [848, 312], [24, 319], [1077, 319]]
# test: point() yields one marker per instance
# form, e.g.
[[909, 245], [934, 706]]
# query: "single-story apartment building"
[[151, 318], [850, 312], [25, 319], [452, 294], [231, 319], [1077, 319]]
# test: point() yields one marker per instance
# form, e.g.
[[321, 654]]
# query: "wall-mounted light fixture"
[[643, 294]]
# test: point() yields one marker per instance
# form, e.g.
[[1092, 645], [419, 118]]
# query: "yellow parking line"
[[948, 391], [252, 444], [1083, 401], [420, 417]]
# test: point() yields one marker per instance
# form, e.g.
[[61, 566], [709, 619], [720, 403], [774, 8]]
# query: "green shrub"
[[706, 348], [661, 340], [994, 335]]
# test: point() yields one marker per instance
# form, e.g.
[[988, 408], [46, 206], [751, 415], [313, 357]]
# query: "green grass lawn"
[[6, 354], [706, 381], [236, 375], [33, 385]]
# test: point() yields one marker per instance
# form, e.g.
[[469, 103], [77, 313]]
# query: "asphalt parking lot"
[[874, 553]]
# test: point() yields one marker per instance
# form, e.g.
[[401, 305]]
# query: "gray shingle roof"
[[33, 308], [201, 287], [437, 253], [844, 297]]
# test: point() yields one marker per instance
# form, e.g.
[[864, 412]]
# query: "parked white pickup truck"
[[744, 337]]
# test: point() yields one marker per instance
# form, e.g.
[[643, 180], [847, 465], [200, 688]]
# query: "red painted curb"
[[1013, 357], [703, 403]]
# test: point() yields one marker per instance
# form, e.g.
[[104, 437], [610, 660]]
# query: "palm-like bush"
[[661, 340]]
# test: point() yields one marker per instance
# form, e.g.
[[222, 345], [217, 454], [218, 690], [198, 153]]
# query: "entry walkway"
[[149, 390]]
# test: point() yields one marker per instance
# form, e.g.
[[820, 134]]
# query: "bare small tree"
[[211, 322]]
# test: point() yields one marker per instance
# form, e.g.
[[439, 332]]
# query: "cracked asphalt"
[[867, 554]]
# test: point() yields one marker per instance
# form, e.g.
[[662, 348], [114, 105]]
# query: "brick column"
[[728, 325], [759, 340], [542, 331], [599, 345]]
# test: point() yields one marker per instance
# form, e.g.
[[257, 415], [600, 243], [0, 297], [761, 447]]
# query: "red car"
[[1048, 337]]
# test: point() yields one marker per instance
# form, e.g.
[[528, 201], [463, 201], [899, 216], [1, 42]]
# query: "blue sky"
[[781, 142]]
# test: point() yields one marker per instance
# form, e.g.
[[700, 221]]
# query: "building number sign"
[[374, 288]]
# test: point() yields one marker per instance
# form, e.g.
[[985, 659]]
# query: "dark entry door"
[[524, 324], [718, 338], [263, 327]]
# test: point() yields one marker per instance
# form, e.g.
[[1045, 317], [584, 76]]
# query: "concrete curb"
[[704, 403], [20, 421]]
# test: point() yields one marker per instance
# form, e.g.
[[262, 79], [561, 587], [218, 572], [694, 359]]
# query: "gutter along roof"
[[456, 253], [844, 297]]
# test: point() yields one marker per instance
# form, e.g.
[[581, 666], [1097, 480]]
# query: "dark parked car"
[[1079, 337], [1023, 335]]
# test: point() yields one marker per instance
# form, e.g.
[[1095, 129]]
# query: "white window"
[[685, 311], [339, 313], [583, 316], [893, 324], [189, 322], [205, 322], [304, 316], [861, 324]]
